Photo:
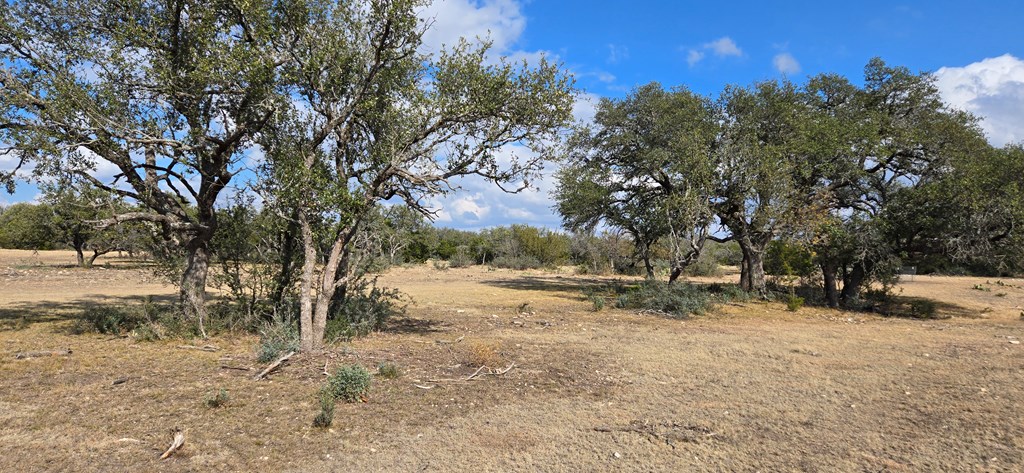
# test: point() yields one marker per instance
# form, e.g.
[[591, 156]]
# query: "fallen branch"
[[42, 353], [176, 443], [239, 368], [203, 348], [491, 371], [449, 342], [476, 373], [120, 381], [325, 370], [273, 366], [423, 386]]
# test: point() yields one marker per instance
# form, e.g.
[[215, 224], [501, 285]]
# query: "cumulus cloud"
[[721, 47], [501, 21], [724, 46], [786, 63], [992, 89]]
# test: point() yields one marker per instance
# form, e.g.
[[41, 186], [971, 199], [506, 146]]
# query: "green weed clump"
[[388, 371], [675, 300], [794, 302], [325, 417], [349, 383], [218, 399]]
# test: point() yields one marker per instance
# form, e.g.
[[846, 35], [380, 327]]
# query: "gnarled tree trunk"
[[193, 281]]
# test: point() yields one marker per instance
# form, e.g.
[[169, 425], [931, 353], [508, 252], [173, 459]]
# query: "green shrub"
[[923, 308], [349, 383], [362, 309], [325, 417], [516, 262], [219, 399], [678, 300], [794, 302], [388, 371], [277, 339], [729, 292], [111, 320]]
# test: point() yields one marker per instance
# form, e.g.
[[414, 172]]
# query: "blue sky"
[[975, 49]]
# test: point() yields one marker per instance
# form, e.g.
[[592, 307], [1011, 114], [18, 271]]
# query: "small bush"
[[388, 371], [364, 308], [794, 303], [483, 353], [516, 262], [349, 383], [325, 417], [219, 399], [440, 265], [276, 340], [923, 308], [729, 292], [678, 300], [111, 320]]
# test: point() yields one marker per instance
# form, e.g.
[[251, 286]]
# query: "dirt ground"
[[750, 387]]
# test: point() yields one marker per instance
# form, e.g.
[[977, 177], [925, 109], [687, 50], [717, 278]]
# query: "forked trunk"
[[752, 277]]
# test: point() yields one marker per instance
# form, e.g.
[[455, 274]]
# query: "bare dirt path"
[[751, 387]]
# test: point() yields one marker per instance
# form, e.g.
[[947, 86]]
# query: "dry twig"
[[202, 348]]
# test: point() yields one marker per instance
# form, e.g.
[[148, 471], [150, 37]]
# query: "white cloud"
[[585, 107], [501, 21], [786, 63], [693, 57], [617, 53], [992, 89], [724, 46], [721, 47]]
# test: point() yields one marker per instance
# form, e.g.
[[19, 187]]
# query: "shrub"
[[729, 292], [325, 417], [363, 308], [349, 383], [516, 262], [111, 320], [277, 339], [388, 371], [219, 399], [923, 308], [794, 302], [678, 300], [483, 353]]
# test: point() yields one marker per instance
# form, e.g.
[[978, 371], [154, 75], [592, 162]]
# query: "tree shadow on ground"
[[414, 326], [568, 288], [22, 315]]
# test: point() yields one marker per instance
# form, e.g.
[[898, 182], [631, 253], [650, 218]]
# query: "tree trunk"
[[92, 259], [676, 272], [854, 281], [828, 271], [284, 277], [307, 342], [752, 277], [193, 282], [81, 257]]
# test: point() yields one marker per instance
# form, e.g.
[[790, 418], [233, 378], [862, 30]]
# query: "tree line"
[[862, 179]]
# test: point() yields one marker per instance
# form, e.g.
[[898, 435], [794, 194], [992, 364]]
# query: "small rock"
[[1015, 342], [617, 455]]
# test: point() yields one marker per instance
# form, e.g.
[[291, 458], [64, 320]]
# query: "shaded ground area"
[[751, 387]]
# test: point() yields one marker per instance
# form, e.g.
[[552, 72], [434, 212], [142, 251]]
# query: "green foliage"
[[325, 398], [364, 307], [111, 320], [794, 302], [218, 399], [28, 227], [785, 258], [388, 371], [277, 339], [923, 308], [349, 383], [675, 300], [146, 322]]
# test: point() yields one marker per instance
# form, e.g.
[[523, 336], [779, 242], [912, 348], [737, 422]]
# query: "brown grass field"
[[751, 387]]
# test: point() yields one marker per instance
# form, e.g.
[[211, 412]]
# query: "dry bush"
[[483, 353]]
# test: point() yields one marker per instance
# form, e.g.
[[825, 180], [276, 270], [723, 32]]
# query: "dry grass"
[[752, 387]]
